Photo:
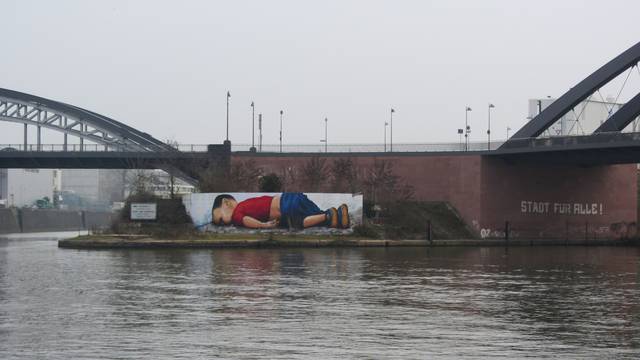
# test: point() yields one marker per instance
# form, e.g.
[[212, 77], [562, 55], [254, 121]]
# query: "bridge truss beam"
[[623, 117]]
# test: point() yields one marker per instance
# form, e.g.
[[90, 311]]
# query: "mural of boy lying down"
[[286, 210]]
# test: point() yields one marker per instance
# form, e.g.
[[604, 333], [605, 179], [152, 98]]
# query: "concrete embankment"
[[114, 242], [9, 222], [40, 220]]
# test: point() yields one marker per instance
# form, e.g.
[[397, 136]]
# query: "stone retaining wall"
[[9, 221], [40, 220]]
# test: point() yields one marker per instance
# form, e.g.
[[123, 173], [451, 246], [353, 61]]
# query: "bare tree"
[[288, 178], [172, 177], [244, 175], [140, 181], [344, 176], [314, 173], [382, 185]]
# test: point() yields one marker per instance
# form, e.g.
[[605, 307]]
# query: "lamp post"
[[325, 135], [385, 135], [391, 135], [260, 132], [467, 128], [281, 112], [491, 106], [253, 127], [228, 96]]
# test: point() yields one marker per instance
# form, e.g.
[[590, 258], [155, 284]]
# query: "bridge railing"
[[355, 148], [475, 146], [275, 148], [88, 147], [572, 140], [56, 147]]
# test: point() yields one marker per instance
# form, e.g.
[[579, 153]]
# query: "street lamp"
[[385, 135], [325, 135], [253, 127], [260, 132], [281, 112], [228, 96], [491, 106], [391, 136], [467, 128]]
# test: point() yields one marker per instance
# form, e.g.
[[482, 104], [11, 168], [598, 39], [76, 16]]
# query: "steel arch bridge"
[[71, 120], [628, 60], [124, 146]]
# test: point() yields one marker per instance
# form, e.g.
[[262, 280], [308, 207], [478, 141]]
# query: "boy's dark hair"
[[218, 201]]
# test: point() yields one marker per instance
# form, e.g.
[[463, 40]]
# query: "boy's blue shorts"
[[294, 207]]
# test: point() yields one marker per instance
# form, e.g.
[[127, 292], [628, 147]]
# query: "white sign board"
[[143, 211]]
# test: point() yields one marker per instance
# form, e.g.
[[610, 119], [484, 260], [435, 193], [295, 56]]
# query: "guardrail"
[[274, 148], [356, 148], [87, 148], [553, 141], [572, 141]]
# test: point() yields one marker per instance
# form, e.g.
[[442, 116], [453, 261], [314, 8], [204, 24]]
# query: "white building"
[[583, 119], [95, 186], [158, 183], [23, 187]]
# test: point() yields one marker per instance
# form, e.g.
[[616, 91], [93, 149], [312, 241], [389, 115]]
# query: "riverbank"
[[283, 241]]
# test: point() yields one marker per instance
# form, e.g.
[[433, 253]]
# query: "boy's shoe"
[[332, 217], [343, 216]]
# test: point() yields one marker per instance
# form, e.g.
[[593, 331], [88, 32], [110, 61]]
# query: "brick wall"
[[487, 191]]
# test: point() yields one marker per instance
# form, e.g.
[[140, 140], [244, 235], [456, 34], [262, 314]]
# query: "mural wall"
[[281, 211]]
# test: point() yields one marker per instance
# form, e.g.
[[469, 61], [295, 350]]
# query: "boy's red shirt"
[[258, 208]]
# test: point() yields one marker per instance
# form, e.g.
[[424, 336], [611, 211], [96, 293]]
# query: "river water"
[[553, 302]]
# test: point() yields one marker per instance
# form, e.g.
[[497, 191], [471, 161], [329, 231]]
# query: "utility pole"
[[260, 131], [228, 96], [281, 112]]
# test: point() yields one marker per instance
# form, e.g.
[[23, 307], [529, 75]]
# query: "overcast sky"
[[164, 67]]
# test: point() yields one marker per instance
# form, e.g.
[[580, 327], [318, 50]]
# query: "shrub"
[[270, 183]]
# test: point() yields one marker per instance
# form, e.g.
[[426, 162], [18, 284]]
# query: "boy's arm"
[[252, 223]]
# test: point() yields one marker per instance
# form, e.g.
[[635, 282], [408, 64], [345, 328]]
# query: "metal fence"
[[358, 148], [276, 148], [553, 141]]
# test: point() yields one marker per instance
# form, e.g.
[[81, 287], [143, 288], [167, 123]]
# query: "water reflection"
[[318, 303]]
